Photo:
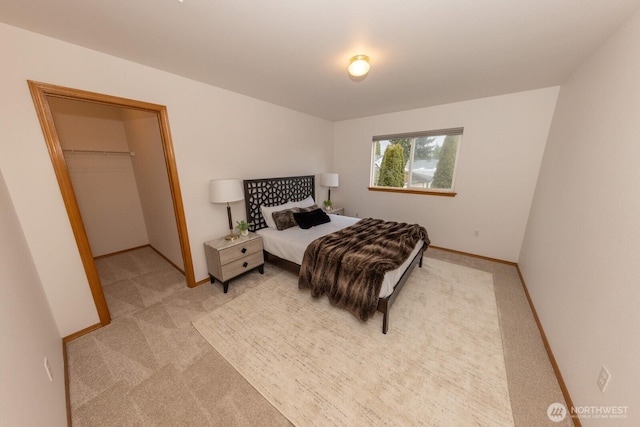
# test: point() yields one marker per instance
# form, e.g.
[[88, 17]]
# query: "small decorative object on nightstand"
[[228, 259], [336, 211], [243, 227]]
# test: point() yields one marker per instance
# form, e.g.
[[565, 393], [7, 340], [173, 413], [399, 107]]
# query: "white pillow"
[[267, 212], [304, 203]]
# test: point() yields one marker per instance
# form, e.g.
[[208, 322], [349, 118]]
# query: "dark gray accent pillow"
[[284, 219], [307, 220], [309, 209]]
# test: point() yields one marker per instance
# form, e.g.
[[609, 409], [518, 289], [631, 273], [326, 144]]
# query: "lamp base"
[[232, 237]]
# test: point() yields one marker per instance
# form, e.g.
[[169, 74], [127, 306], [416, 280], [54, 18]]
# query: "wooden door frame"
[[39, 93]]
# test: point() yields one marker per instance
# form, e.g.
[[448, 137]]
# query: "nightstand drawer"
[[235, 252], [239, 266]]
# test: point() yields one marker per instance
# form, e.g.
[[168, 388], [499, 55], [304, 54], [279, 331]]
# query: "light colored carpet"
[[441, 363], [151, 367]]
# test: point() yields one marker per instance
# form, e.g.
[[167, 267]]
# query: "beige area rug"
[[441, 362]]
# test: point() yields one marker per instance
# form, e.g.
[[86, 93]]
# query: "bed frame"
[[277, 191]]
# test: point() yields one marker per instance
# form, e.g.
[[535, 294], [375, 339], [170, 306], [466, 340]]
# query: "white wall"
[[498, 161], [29, 333], [105, 187], [82, 125], [143, 134], [216, 134], [580, 254], [104, 184]]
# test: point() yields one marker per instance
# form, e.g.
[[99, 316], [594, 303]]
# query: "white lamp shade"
[[225, 190], [329, 180]]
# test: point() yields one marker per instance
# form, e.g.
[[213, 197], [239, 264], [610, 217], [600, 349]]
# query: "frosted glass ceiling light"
[[359, 65]]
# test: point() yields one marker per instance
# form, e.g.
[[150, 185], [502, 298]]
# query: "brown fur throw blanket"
[[349, 265]]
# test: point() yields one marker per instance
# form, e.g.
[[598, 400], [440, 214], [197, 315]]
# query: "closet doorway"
[[46, 98]]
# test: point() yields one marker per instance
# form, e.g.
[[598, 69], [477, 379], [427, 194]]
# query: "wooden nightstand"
[[228, 259], [336, 211]]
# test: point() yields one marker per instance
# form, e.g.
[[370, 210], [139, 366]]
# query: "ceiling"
[[295, 53]]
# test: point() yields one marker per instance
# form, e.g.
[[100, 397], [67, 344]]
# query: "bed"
[[287, 247]]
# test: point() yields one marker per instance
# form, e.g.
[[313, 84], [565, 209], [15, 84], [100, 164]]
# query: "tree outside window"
[[392, 167]]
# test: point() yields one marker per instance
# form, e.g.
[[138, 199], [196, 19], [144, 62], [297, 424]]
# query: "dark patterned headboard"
[[273, 192]]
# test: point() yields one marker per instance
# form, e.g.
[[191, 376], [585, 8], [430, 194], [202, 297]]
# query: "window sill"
[[414, 191]]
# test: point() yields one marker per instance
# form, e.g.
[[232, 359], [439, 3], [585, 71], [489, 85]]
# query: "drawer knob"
[[245, 264], [244, 250]]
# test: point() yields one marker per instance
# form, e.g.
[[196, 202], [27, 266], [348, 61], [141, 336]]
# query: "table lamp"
[[329, 180], [226, 191]]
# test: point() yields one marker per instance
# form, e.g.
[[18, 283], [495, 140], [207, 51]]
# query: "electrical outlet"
[[603, 379], [48, 369]]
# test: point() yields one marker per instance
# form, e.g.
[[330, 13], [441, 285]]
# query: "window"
[[418, 162]]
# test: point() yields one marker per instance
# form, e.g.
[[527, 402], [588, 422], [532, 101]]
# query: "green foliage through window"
[[446, 163], [392, 168]]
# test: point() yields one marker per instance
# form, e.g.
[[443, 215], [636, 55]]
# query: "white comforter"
[[290, 244]]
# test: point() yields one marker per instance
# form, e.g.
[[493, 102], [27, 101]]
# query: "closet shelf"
[[105, 152]]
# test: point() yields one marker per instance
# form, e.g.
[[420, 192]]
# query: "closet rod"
[[131, 153]]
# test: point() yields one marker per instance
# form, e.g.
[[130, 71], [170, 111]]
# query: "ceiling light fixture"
[[359, 65]]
